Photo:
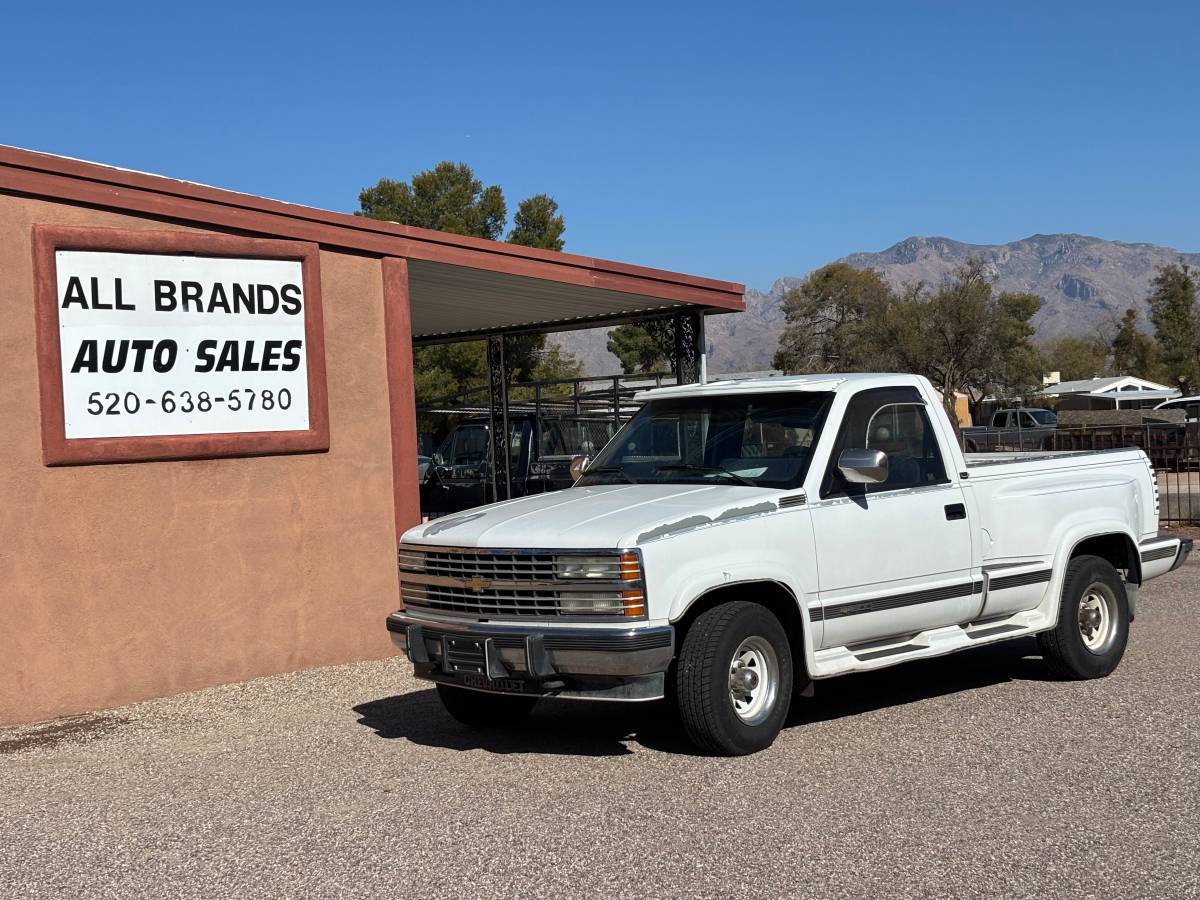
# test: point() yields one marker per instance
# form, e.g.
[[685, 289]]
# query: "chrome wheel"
[[1097, 618], [753, 680]]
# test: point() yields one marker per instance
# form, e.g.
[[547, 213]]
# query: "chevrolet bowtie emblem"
[[477, 584]]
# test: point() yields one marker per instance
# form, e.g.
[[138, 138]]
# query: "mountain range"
[[1084, 282]]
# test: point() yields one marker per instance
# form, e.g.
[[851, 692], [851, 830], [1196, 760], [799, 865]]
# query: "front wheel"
[[480, 709], [734, 679], [1093, 622]]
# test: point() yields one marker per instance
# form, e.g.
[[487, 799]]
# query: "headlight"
[[618, 567], [591, 604], [623, 571], [573, 567]]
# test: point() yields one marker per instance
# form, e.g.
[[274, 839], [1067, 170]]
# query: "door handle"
[[956, 511]]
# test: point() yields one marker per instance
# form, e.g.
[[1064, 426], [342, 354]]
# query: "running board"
[[935, 642]]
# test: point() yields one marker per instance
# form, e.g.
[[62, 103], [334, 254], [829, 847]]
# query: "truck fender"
[[697, 584], [1070, 539], [700, 584]]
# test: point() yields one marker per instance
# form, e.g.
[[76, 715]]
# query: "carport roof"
[[459, 287]]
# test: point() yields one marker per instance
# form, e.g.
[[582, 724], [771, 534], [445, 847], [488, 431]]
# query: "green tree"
[[963, 337], [829, 320], [1173, 312], [538, 224], [450, 198], [447, 197], [648, 347], [1076, 358], [1133, 352]]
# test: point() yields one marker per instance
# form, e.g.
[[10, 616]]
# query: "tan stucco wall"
[[122, 582]]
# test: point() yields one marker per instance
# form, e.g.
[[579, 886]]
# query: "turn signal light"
[[631, 567], [635, 603]]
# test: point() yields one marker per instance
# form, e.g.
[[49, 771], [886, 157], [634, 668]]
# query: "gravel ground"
[[972, 775]]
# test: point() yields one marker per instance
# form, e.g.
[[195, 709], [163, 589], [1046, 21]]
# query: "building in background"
[[1118, 392]]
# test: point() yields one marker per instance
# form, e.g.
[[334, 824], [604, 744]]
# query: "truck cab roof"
[[783, 383]]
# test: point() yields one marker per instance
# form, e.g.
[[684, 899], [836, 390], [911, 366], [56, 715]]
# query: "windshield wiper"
[[611, 470], [715, 470]]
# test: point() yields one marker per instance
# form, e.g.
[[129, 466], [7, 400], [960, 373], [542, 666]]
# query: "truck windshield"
[[764, 440]]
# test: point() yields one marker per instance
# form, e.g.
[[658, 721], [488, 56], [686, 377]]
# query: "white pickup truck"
[[737, 541]]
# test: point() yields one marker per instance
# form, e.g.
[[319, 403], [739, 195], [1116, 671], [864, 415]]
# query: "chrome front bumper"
[[582, 662]]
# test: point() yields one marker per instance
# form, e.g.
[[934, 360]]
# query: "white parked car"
[[737, 541], [1188, 405]]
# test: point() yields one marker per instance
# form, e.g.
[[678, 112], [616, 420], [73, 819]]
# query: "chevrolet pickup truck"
[[736, 542]]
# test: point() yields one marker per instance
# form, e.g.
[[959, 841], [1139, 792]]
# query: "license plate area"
[[463, 656]]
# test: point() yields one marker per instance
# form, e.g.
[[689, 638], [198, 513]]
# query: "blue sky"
[[735, 140]]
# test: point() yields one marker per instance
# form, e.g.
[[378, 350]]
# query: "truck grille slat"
[[492, 603]]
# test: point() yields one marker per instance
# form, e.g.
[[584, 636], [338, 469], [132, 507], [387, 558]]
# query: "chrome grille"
[[522, 583], [488, 603], [498, 566]]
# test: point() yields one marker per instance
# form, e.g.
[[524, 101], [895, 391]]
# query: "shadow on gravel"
[[850, 695], [557, 727], [562, 727]]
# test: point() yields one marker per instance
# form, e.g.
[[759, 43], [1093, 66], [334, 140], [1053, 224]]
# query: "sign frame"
[[59, 450]]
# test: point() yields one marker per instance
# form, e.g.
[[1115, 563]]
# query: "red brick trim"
[[57, 450], [61, 179]]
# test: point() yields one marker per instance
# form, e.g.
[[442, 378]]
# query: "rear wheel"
[[483, 710], [1093, 622], [734, 679]]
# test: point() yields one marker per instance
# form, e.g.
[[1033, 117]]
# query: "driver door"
[[893, 558]]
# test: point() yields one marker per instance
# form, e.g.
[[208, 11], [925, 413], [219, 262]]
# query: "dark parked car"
[[1012, 429], [540, 453]]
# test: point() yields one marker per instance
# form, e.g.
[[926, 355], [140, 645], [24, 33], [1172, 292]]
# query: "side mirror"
[[862, 466], [579, 464], [438, 459]]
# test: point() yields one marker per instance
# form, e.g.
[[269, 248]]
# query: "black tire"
[[1091, 583], [480, 709], [704, 673]]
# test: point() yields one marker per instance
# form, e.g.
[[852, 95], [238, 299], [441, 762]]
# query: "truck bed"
[[987, 463]]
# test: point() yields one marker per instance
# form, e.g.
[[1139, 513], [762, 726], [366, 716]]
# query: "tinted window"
[[763, 439], [469, 447], [569, 437]]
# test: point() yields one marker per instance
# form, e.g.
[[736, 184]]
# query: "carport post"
[[498, 456], [690, 363]]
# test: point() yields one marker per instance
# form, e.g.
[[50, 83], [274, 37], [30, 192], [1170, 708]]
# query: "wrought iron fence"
[[1174, 452]]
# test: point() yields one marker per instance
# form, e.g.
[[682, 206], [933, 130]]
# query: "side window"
[[1000, 420], [1027, 421], [895, 421], [903, 432]]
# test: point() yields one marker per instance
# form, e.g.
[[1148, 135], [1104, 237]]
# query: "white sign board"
[[155, 344]]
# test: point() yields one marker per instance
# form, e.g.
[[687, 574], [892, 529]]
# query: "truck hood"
[[599, 517]]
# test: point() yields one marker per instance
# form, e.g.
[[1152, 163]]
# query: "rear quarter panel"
[[1032, 514]]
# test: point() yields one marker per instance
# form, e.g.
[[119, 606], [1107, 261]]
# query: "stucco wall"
[[121, 582]]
